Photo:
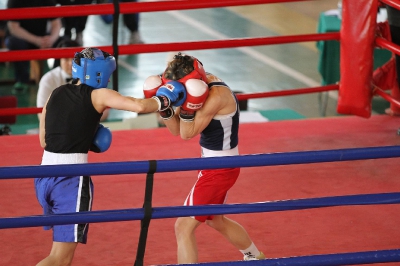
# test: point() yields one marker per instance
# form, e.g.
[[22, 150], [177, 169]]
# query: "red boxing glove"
[[197, 92], [151, 85]]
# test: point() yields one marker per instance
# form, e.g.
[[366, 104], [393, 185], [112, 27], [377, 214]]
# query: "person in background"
[[131, 21], [74, 24], [25, 34], [211, 110], [70, 128]]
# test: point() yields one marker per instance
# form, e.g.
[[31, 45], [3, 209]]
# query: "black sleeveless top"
[[71, 119]]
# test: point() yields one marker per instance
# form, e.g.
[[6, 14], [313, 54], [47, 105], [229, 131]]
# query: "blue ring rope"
[[174, 165], [366, 257], [183, 211]]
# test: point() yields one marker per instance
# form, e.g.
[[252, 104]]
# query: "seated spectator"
[[58, 76], [24, 34]]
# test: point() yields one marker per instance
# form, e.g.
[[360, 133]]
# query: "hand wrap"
[[167, 114]]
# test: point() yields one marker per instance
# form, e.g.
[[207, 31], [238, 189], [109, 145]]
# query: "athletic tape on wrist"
[[167, 114], [187, 117], [163, 102]]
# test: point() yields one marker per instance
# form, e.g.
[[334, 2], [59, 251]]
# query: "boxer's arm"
[[173, 125], [203, 117], [46, 87], [196, 94], [16, 30], [220, 101], [42, 131], [103, 98]]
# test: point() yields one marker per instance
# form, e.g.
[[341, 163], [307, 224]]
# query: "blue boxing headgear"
[[93, 67]]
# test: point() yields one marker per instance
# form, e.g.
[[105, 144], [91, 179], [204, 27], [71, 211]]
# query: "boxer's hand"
[[197, 92], [167, 114], [102, 139], [174, 91], [151, 85]]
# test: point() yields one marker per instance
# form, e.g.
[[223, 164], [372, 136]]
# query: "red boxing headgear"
[[197, 73]]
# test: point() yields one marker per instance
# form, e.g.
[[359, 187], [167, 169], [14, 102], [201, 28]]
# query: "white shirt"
[[49, 82]]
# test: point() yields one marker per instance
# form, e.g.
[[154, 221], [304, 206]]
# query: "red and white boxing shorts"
[[211, 188]]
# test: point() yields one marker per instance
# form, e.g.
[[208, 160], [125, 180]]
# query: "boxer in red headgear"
[[160, 85], [196, 71], [211, 110]]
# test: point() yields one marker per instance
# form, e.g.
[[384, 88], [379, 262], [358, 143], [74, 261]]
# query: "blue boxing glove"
[[102, 139], [172, 90]]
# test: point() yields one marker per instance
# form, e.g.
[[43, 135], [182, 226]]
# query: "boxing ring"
[[374, 147]]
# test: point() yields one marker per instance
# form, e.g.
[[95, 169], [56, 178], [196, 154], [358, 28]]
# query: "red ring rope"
[[383, 43], [386, 96], [138, 7], [41, 54], [20, 111], [240, 96], [392, 3], [285, 92]]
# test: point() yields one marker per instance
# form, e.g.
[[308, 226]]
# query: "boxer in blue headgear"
[[93, 67], [69, 129]]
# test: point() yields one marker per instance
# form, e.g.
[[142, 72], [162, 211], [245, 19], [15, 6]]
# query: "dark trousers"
[[131, 21], [77, 23], [21, 68]]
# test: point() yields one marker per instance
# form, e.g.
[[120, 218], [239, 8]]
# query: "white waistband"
[[50, 158], [210, 153]]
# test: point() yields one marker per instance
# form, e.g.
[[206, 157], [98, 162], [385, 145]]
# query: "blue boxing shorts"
[[59, 195]]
